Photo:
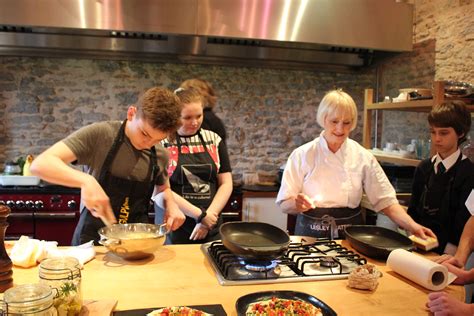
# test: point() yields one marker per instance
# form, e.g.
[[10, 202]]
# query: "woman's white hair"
[[337, 101]]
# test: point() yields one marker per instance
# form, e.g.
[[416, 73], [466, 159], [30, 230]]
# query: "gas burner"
[[321, 260], [328, 262], [259, 266]]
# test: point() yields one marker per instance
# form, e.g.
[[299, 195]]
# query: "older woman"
[[324, 179]]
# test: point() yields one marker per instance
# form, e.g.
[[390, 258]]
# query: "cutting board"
[[216, 310], [98, 308]]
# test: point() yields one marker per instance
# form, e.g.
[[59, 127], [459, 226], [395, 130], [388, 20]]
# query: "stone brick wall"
[[443, 50], [451, 24], [267, 112]]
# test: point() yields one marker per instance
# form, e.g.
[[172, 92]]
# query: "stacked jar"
[[29, 299], [63, 275]]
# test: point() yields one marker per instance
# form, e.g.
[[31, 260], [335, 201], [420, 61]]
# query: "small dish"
[[19, 180], [243, 302]]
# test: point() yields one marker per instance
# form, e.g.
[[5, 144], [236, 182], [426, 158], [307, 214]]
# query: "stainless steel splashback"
[[276, 33]]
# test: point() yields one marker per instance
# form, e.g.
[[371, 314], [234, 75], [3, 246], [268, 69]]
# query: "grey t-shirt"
[[91, 144]]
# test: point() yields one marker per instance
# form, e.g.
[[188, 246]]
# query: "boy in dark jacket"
[[443, 182]]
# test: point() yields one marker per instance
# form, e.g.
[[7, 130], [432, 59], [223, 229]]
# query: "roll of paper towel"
[[422, 271]]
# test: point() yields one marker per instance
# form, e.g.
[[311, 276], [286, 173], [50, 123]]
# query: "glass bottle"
[[63, 275], [29, 299], [468, 147]]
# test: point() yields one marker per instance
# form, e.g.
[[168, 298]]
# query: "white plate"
[[19, 180]]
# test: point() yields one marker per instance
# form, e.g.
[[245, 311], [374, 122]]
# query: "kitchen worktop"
[[181, 275]]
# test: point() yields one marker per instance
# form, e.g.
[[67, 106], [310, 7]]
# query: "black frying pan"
[[254, 240], [375, 241]]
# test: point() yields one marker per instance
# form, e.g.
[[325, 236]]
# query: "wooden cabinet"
[[409, 106]]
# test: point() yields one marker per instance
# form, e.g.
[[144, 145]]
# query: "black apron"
[[433, 211], [130, 199], [195, 179], [327, 222]]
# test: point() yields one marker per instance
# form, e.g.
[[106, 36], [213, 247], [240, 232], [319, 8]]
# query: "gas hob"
[[319, 260]]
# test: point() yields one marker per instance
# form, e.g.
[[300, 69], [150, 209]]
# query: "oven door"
[[232, 211], [20, 224], [56, 226]]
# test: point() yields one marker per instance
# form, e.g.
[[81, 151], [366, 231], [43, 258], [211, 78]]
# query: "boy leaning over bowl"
[[126, 165]]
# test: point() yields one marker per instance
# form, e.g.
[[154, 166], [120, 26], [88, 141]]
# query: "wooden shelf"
[[397, 160], [410, 106]]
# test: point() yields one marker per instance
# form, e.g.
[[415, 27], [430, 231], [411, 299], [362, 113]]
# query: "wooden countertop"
[[181, 275]]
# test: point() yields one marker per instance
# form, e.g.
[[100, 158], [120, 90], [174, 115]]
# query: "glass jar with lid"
[[29, 299], [63, 275]]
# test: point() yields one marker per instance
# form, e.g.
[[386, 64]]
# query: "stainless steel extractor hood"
[[306, 34]]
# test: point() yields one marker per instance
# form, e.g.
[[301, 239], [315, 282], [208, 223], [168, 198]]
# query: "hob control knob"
[[2, 202], [30, 204], [10, 203], [20, 204], [39, 204], [235, 205], [71, 204]]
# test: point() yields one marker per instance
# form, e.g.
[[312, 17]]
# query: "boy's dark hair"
[[452, 114], [161, 108]]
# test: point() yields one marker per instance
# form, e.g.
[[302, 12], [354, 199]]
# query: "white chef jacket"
[[336, 179]]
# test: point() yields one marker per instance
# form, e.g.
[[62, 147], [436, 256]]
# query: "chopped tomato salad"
[[282, 307]]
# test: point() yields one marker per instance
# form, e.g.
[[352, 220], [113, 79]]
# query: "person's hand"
[[173, 217], [421, 231], [199, 232], [210, 220], [96, 200], [463, 276], [441, 304], [445, 258], [303, 203]]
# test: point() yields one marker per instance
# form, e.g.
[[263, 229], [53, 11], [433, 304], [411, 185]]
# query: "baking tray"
[[19, 180], [216, 310]]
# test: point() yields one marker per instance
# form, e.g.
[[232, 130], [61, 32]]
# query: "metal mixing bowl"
[[133, 241]]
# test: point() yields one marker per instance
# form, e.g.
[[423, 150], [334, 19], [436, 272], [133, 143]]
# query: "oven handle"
[[56, 215], [233, 214], [21, 215]]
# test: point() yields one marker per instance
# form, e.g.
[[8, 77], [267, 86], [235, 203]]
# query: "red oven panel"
[[20, 202], [59, 228], [45, 216], [20, 224]]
